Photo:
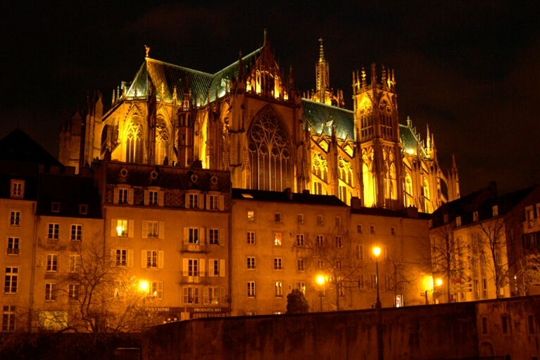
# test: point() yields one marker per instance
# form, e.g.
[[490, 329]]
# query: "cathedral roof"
[[168, 78], [321, 118]]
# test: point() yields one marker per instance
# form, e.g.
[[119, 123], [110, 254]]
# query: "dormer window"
[[55, 207], [83, 209], [17, 189], [475, 216], [495, 210], [122, 196], [458, 220], [153, 198]]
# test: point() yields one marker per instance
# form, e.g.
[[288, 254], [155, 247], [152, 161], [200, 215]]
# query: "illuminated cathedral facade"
[[250, 119]]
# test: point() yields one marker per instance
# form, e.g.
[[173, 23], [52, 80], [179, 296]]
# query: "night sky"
[[471, 69]]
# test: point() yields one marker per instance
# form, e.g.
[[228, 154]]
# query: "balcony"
[[201, 278], [194, 248]]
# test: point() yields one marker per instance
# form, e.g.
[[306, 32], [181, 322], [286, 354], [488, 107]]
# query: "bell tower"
[[377, 127]]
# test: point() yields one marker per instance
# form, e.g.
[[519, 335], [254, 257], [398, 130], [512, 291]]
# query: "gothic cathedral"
[[249, 119]]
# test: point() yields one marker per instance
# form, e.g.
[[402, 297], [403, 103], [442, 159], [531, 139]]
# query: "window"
[[277, 217], [458, 220], [74, 263], [495, 210], [278, 264], [505, 322], [251, 262], [52, 262], [55, 207], [300, 264], [393, 231], [277, 238], [153, 198], [212, 202], [193, 235], [191, 295], [121, 228], [83, 209], [300, 219], [156, 289], [251, 288], [13, 245], [320, 220], [278, 288], [73, 291], [122, 196], [53, 232], [214, 267], [151, 259], [8, 318], [50, 292], [15, 217], [338, 221], [193, 267], [151, 229], [359, 229], [301, 286], [251, 215], [11, 280], [339, 242], [320, 240], [213, 236], [300, 240], [213, 295], [17, 189], [121, 257], [372, 229], [76, 232], [193, 201], [475, 216], [251, 237]]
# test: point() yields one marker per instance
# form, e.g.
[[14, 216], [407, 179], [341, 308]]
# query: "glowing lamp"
[[376, 251], [438, 282], [320, 279], [143, 286]]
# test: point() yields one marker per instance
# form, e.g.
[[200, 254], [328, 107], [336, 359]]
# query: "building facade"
[[249, 119]]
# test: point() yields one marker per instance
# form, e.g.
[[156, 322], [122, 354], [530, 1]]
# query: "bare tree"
[[528, 273], [493, 238]]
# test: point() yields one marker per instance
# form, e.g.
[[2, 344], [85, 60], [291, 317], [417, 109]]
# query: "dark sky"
[[471, 69]]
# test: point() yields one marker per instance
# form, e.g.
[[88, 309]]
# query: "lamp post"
[[320, 280], [377, 251]]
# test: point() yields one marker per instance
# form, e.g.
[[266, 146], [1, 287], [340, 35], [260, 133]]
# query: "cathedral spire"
[[322, 73]]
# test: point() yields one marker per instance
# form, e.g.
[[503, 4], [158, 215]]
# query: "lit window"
[[11, 280], [278, 264], [251, 215], [278, 288], [251, 262], [121, 257], [495, 210], [53, 232], [300, 240], [8, 318], [251, 288], [277, 238], [251, 237], [13, 245], [52, 262], [300, 264], [73, 291], [76, 232], [191, 295], [193, 267], [15, 218], [55, 207], [300, 219], [193, 235], [17, 189], [151, 259], [152, 198], [277, 217], [50, 292], [121, 227], [213, 236], [156, 289], [123, 196]]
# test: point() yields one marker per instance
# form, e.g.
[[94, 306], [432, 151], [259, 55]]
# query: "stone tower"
[[377, 127]]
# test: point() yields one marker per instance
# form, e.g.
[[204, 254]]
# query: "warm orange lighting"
[[427, 283], [438, 282], [143, 286], [376, 251], [321, 279]]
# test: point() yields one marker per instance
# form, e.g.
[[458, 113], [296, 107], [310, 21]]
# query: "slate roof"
[[321, 118], [285, 196], [18, 146]]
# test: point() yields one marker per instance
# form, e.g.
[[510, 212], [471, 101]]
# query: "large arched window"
[[162, 141], [269, 152], [134, 143]]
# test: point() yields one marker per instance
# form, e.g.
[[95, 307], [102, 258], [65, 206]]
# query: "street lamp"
[[377, 251], [321, 280]]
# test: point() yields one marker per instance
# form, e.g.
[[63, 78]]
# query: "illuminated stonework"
[[249, 119]]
